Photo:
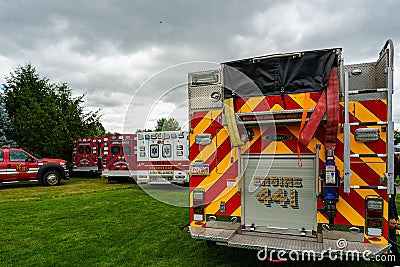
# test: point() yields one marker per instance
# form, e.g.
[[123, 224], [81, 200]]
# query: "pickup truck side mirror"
[[30, 159]]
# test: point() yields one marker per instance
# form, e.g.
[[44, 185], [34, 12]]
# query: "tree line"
[[43, 117], [164, 124]]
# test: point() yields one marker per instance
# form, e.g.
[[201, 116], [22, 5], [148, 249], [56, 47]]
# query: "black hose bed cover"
[[279, 74]]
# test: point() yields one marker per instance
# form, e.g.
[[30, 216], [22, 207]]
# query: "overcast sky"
[[137, 54]]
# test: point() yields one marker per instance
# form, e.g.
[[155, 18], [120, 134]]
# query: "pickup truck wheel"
[[51, 178]]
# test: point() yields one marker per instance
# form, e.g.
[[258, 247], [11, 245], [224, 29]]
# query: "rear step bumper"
[[297, 244]]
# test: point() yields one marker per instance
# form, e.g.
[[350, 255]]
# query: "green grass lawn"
[[88, 222]]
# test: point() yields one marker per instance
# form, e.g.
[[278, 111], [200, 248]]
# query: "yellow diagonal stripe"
[[277, 148], [361, 148], [210, 149], [257, 135], [204, 123], [349, 213], [223, 165], [299, 99], [225, 195], [362, 113], [321, 218], [237, 212], [277, 107], [251, 104]]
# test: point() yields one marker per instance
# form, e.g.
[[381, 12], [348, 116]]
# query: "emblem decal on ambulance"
[[277, 137]]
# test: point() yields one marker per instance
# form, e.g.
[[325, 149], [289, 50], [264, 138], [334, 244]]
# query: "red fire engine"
[[293, 152]]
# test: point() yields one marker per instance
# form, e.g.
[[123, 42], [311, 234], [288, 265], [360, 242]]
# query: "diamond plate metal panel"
[[203, 97], [381, 72], [200, 98], [371, 75], [262, 242], [368, 96], [365, 80], [349, 236], [353, 246], [212, 234], [223, 225]]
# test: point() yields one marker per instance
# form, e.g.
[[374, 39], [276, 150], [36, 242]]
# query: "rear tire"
[[51, 178], [212, 245]]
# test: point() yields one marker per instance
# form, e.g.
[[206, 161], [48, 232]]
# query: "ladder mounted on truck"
[[364, 82]]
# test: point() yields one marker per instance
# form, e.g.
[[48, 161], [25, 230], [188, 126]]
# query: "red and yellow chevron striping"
[[222, 183]]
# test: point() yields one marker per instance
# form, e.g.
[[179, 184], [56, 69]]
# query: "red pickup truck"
[[17, 165]]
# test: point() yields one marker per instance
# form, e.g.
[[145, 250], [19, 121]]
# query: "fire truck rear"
[[293, 152], [86, 155], [163, 157]]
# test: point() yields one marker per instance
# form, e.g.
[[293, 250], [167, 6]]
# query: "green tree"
[[5, 126], [396, 136], [165, 124], [44, 116]]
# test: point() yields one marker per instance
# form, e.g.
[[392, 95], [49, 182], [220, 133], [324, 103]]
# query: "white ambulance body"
[[163, 157]]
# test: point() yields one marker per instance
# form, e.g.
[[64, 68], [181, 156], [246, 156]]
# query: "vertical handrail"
[[239, 168], [317, 151], [390, 131], [346, 141]]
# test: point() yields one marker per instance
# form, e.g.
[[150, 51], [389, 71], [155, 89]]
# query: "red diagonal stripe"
[[363, 170], [341, 219], [239, 103], [220, 184], [197, 117], [376, 107], [231, 205], [262, 106], [292, 142], [195, 180]]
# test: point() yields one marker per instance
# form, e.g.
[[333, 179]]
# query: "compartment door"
[[279, 196]]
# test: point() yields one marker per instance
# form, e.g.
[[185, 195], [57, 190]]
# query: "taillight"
[[374, 218], [198, 204], [375, 223], [374, 213]]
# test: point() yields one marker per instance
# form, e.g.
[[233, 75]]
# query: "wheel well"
[[46, 169]]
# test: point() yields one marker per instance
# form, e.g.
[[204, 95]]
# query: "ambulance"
[[163, 157], [118, 158], [85, 155]]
